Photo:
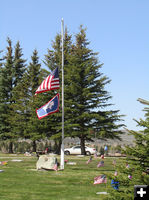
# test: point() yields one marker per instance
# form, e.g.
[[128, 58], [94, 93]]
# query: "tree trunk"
[[34, 146], [82, 142], [10, 147], [57, 148]]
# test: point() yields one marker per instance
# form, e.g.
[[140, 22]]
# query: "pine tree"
[[12, 73], [33, 127], [1, 59], [2, 98], [19, 68], [6, 98], [9, 71], [137, 158], [85, 94], [19, 64], [20, 111], [25, 119]]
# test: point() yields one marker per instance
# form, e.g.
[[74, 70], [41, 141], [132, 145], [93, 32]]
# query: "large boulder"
[[46, 162]]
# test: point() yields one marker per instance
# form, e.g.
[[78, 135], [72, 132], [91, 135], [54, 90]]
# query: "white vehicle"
[[77, 150]]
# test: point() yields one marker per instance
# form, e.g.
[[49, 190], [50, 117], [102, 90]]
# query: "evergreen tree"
[[2, 98], [33, 126], [19, 68], [27, 123], [6, 98], [88, 95], [137, 158], [10, 73], [20, 109], [19, 64], [85, 94], [1, 59], [25, 119]]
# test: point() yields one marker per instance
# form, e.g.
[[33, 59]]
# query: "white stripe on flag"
[[46, 81], [49, 84]]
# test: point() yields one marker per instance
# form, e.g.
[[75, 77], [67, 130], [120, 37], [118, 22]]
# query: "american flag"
[[127, 165], [95, 155], [100, 179], [90, 159], [115, 173], [100, 164], [55, 166], [50, 83], [114, 162]]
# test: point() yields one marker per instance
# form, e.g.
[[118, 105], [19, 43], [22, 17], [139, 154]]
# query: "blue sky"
[[117, 29]]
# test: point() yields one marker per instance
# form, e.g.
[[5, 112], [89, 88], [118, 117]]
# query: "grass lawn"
[[21, 181]]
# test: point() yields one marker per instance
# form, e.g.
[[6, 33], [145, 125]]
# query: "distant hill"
[[126, 139]]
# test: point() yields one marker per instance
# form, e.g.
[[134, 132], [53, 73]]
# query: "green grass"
[[20, 180]]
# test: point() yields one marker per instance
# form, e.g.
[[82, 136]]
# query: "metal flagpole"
[[62, 145]]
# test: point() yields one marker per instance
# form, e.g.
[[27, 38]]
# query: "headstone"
[[15, 160], [71, 163], [101, 193]]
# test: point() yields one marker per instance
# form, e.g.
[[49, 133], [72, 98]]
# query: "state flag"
[[51, 107]]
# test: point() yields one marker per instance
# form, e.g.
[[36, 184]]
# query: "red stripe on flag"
[[48, 81], [44, 84]]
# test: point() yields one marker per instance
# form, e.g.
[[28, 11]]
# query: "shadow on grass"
[[85, 169]]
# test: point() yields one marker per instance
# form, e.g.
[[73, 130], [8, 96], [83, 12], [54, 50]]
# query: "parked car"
[[77, 150]]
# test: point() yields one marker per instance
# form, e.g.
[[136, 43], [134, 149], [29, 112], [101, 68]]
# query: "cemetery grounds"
[[21, 181]]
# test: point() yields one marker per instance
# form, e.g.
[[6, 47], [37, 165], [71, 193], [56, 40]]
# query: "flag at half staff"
[[51, 107], [50, 83]]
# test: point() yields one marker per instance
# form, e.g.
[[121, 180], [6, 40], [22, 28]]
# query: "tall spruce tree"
[[2, 98], [33, 126], [137, 158], [26, 123], [1, 59], [85, 96], [7, 86], [19, 67], [87, 92], [36, 129], [11, 74], [19, 64], [25, 119]]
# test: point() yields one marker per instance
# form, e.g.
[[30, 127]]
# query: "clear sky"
[[117, 29]]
